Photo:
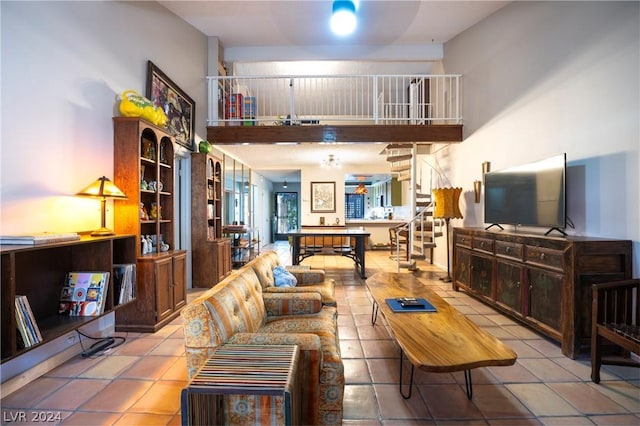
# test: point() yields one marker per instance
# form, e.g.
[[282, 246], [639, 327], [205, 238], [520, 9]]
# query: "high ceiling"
[[402, 34]]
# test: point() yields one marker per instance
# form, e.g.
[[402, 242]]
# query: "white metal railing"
[[344, 99]]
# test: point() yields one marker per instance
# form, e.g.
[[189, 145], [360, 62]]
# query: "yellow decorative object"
[[133, 104]]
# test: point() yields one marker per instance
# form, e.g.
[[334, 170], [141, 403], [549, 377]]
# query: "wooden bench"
[[615, 319]]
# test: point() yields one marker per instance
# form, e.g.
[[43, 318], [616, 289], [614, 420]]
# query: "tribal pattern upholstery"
[[309, 280], [236, 311]]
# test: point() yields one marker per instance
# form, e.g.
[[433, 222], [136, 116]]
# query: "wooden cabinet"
[[208, 264], [144, 170], [544, 282], [38, 272]]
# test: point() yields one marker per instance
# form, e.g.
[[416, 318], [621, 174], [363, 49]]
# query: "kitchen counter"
[[365, 222], [379, 229]]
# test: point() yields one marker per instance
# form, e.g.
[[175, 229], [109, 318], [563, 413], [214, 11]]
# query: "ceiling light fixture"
[[343, 19], [331, 162], [361, 189]]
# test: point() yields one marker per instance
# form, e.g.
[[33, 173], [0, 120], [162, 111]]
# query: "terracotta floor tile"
[[497, 402], [515, 373], [74, 367], [72, 395], [616, 420], [373, 332], [83, 418], [137, 419], [177, 371], [28, 396], [139, 346], [109, 367], [356, 371], [351, 349], [448, 401], [360, 402], [547, 370], [169, 347], [162, 398], [150, 367], [348, 332], [541, 400], [586, 399], [566, 421], [380, 349], [393, 406], [118, 396]]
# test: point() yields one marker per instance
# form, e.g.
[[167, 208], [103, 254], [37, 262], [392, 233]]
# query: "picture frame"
[[179, 108], [323, 197]]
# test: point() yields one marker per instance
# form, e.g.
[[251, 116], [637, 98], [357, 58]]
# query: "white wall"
[[542, 78], [63, 65]]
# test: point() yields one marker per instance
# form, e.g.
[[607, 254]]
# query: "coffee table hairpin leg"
[[374, 312], [467, 381]]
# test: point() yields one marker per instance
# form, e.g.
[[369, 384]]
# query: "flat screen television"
[[532, 194]]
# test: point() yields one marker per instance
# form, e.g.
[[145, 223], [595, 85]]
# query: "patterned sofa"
[[309, 280], [236, 311]]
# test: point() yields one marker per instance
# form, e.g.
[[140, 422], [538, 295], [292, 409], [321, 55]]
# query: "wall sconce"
[[102, 188], [477, 188], [486, 168]]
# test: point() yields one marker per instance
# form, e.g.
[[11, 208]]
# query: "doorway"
[[286, 217]]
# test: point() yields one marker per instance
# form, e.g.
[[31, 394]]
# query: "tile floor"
[[139, 383]]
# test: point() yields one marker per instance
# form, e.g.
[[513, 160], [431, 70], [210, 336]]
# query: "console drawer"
[[509, 250], [545, 257], [463, 240], [483, 244]]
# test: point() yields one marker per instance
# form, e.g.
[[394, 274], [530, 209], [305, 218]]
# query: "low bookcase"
[[38, 272]]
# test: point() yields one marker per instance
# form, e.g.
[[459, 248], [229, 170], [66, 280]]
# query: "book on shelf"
[[124, 278], [26, 322], [84, 294], [40, 238]]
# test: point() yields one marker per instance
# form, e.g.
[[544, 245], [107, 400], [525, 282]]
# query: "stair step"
[[399, 146], [423, 203], [410, 265], [418, 256], [421, 195], [401, 168], [396, 158], [404, 176]]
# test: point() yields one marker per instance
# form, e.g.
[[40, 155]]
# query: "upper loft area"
[[337, 108]]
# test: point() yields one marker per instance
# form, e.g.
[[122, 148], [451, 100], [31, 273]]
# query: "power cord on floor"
[[100, 345]]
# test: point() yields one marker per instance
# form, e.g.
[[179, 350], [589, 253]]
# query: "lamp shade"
[[102, 187], [447, 200]]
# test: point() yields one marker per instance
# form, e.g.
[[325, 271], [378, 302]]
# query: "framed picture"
[[323, 197], [179, 108]]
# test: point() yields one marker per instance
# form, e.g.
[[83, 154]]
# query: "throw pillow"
[[283, 278]]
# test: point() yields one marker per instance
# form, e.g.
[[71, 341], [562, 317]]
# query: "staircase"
[[422, 228]]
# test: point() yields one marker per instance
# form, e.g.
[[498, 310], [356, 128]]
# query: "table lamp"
[[447, 208], [102, 188]]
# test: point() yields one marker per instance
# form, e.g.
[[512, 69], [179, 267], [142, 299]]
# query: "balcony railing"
[[345, 99]]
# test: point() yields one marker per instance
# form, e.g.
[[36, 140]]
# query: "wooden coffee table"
[[442, 341]]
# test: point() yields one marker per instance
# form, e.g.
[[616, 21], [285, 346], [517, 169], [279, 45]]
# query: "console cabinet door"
[[482, 275], [508, 283], [545, 297], [164, 287], [462, 268], [179, 281]]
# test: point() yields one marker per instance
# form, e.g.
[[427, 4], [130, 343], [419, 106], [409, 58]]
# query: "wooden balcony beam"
[[369, 133]]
